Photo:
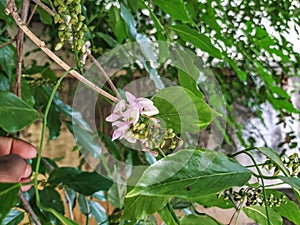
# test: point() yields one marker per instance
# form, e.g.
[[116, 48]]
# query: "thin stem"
[[171, 210], [102, 71], [28, 208], [19, 47], [263, 184], [8, 42], [69, 203], [39, 156], [44, 7], [161, 152], [31, 15], [11, 9]]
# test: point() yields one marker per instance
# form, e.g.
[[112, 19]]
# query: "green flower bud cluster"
[[38, 81], [71, 24], [254, 197], [291, 162], [154, 137]]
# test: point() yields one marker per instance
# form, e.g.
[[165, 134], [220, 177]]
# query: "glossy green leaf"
[[45, 17], [8, 195], [117, 24], [83, 204], [83, 182], [98, 212], [293, 181], [181, 110], [7, 59], [273, 155], [258, 214], [53, 123], [191, 173], [129, 20], [14, 217], [4, 82], [175, 8], [198, 220], [140, 206], [17, 113], [50, 198], [214, 200], [167, 216], [197, 39], [117, 192], [289, 210], [188, 82]]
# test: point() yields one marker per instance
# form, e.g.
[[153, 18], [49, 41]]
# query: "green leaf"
[[45, 17], [8, 195], [117, 192], [289, 210], [98, 212], [117, 24], [53, 123], [129, 20], [108, 39], [27, 95], [140, 206], [4, 82], [214, 200], [199, 220], [167, 216], [198, 40], [83, 182], [258, 214], [190, 173], [241, 74], [50, 198], [17, 113], [83, 204], [175, 8], [7, 59], [186, 81], [181, 110], [14, 217], [273, 155], [8, 19], [293, 181]]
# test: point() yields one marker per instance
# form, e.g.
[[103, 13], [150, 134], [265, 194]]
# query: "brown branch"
[[101, 70], [11, 9], [29, 209], [44, 7], [8, 42], [19, 47]]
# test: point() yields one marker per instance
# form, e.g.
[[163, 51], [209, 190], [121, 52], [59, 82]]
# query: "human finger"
[[15, 146]]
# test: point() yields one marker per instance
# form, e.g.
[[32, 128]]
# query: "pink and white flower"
[[124, 116]]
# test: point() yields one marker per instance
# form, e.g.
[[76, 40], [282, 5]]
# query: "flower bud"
[[56, 18], [59, 46]]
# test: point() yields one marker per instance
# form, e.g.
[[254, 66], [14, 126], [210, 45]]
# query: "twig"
[[44, 7], [31, 15], [69, 203], [8, 42], [11, 9], [29, 209], [101, 70], [19, 47]]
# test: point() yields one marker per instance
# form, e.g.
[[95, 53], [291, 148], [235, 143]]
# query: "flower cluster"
[[131, 121]]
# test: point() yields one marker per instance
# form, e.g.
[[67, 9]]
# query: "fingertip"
[[25, 187], [23, 149], [27, 171]]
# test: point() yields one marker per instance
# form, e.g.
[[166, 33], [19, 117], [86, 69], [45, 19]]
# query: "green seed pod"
[[60, 2], [180, 143], [170, 130], [62, 9], [171, 147], [137, 136], [84, 28], [141, 126], [67, 36], [80, 43], [69, 2], [57, 18], [74, 16], [162, 144], [79, 26], [83, 49], [77, 9], [81, 18], [61, 35], [59, 46], [147, 132], [62, 26], [80, 34], [171, 135], [135, 127]]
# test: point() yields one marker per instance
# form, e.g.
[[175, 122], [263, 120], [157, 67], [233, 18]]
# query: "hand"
[[13, 167]]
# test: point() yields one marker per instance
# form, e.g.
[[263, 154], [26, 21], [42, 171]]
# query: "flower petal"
[[113, 117], [131, 98], [150, 110], [120, 106], [132, 115], [117, 135]]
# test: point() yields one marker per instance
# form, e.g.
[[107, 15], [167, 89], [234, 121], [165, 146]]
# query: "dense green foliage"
[[232, 39]]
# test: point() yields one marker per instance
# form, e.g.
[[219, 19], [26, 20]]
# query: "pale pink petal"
[[122, 126], [132, 115], [117, 135], [113, 117], [130, 137], [131, 98], [150, 110], [144, 101], [120, 106]]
